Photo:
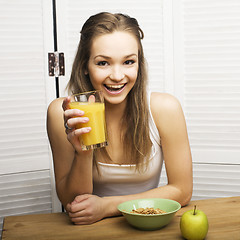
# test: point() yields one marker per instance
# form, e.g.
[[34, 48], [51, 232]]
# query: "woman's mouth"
[[115, 88]]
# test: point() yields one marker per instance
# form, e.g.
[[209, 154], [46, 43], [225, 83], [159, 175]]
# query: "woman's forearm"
[[167, 191], [78, 180]]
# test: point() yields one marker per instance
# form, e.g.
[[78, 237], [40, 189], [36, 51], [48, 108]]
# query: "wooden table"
[[223, 215]]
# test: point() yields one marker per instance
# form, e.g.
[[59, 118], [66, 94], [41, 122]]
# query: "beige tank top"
[[116, 180]]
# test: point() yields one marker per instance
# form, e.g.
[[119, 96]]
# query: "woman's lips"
[[114, 89]]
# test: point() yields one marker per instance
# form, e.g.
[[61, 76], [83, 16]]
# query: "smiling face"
[[113, 65]]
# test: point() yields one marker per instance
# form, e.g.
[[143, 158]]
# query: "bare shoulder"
[[55, 105], [164, 103], [55, 115], [166, 110]]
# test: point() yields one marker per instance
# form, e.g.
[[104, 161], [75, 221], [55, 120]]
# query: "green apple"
[[194, 224]]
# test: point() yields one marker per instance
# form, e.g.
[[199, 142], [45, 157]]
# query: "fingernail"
[[87, 129], [81, 112], [85, 119]]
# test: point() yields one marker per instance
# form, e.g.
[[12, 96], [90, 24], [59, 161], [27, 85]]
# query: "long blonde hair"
[[136, 138]]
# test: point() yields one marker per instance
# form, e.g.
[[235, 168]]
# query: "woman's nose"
[[117, 74]]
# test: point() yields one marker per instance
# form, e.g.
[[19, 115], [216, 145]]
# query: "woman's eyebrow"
[[107, 57], [102, 56], [131, 55]]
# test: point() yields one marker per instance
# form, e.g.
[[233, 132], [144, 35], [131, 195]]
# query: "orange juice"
[[96, 113]]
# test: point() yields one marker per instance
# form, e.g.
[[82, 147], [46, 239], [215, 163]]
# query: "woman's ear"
[[86, 72]]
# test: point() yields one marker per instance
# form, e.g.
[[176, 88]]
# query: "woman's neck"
[[115, 112]]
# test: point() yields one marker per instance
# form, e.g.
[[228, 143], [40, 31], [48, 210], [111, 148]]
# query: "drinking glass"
[[92, 103]]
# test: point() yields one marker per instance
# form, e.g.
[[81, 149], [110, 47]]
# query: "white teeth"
[[115, 86]]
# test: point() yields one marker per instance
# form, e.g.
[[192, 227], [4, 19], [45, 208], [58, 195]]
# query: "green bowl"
[[149, 222]]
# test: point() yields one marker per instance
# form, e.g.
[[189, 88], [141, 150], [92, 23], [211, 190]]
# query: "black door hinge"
[[56, 64]]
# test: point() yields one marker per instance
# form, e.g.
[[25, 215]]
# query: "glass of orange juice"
[[92, 103]]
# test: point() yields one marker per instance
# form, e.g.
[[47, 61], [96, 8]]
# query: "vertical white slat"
[[25, 183], [206, 47], [212, 87], [23, 140]]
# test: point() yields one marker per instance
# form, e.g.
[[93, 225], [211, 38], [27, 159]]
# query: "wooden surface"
[[223, 216]]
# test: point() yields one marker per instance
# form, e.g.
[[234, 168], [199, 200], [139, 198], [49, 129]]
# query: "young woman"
[[143, 128]]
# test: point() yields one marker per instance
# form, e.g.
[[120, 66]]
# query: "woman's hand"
[[86, 209], [73, 117]]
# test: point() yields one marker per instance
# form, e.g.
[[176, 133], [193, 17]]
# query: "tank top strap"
[[153, 128]]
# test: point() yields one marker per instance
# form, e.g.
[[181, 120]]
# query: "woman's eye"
[[102, 63], [129, 62]]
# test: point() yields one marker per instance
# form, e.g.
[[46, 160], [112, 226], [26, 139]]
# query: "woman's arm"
[[169, 118], [72, 167]]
